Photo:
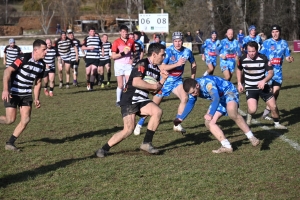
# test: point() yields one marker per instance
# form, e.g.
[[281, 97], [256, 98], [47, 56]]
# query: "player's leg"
[[271, 103], [101, 76], [46, 81], [67, 71], [275, 90], [119, 74], [88, 70], [74, 67], [60, 64], [93, 75], [10, 115], [51, 82], [108, 71], [252, 97]]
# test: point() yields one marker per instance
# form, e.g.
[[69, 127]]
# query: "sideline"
[[292, 143]]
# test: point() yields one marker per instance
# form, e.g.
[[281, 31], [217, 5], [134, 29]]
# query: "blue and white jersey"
[[141, 43], [163, 43], [257, 39], [219, 91], [275, 52], [230, 49], [172, 57], [240, 37], [211, 49]]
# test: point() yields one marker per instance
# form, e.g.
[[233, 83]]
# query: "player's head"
[[252, 49], [70, 34], [157, 39], [156, 53], [11, 42], [275, 31], [39, 49], [104, 38], [92, 31], [49, 43], [240, 31], [229, 34], [252, 30], [214, 35], [191, 86], [136, 35], [124, 31], [63, 35], [131, 36], [177, 38]]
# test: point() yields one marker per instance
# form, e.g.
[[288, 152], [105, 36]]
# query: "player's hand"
[[203, 57], [164, 74], [223, 57], [261, 84], [92, 47], [208, 117], [240, 88], [290, 59], [181, 62], [37, 103], [5, 96]]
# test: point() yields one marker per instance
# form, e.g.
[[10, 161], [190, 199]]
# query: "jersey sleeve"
[[213, 92], [139, 70], [191, 57], [167, 58], [287, 50], [114, 47], [5, 50]]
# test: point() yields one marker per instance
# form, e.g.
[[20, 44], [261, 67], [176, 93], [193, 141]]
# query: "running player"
[[176, 57], [63, 47], [276, 49], [240, 36], [229, 53], [74, 56], [26, 71], [253, 66], [122, 49], [210, 47], [252, 37], [11, 51], [49, 76], [225, 101], [135, 100], [104, 61], [93, 45]]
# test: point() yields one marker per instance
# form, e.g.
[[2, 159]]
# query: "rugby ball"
[[150, 79]]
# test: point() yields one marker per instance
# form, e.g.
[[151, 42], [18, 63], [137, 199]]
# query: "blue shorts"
[[211, 60], [228, 64], [168, 87], [231, 95]]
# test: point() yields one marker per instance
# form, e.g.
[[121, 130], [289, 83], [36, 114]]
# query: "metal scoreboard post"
[[154, 22]]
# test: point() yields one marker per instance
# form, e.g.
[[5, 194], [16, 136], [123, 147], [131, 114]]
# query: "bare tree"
[[261, 14], [128, 9], [210, 7], [102, 7], [295, 29], [139, 5], [46, 14]]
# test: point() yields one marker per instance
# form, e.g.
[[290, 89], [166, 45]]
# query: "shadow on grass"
[[292, 116], [79, 136], [31, 174], [290, 87]]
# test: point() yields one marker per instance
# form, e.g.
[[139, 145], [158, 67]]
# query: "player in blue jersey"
[[239, 37], [252, 37], [174, 62], [276, 49], [210, 55], [225, 101], [229, 53]]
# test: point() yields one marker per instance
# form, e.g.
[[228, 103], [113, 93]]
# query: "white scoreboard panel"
[[154, 22]]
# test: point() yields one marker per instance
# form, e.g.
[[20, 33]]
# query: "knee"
[[207, 124], [273, 107], [10, 121], [25, 120], [251, 110]]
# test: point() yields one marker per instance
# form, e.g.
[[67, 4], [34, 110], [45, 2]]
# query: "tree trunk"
[[128, 8], [210, 7], [237, 17], [295, 29], [261, 14], [139, 5]]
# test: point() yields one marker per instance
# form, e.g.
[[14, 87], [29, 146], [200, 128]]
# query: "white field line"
[[292, 143]]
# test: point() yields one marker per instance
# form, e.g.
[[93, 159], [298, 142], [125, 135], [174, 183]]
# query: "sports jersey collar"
[[229, 39]]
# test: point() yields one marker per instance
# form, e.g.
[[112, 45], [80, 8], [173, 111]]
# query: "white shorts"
[[122, 69]]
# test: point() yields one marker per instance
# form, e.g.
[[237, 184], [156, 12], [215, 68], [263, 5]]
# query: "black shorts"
[[102, 63], [89, 61], [16, 101], [75, 63], [266, 94], [51, 70], [133, 108], [274, 83]]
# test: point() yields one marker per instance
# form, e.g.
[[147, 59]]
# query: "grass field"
[[57, 160]]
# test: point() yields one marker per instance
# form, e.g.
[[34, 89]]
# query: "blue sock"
[[188, 107], [141, 121]]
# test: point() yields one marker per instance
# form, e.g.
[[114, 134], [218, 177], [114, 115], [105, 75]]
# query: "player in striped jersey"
[[254, 66], [74, 56], [104, 61], [27, 70], [93, 45], [135, 100], [49, 76], [63, 48], [139, 48], [11, 51]]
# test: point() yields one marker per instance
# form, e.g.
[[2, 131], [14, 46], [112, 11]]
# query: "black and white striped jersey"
[[11, 53], [107, 49], [63, 47], [93, 41], [78, 45], [50, 57], [133, 95], [254, 70], [137, 52], [27, 71]]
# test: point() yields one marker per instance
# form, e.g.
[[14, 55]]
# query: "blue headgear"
[[251, 27]]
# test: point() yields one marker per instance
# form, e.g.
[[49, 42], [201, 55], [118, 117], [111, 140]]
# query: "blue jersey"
[[211, 50], [275, 52], [240, 38], [141, 43], [219, 91], [247, 39], [230, 49], [172, 57]]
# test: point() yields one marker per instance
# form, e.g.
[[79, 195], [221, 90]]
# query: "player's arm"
[[76, 53], [36, 92], [6, 78], [214, 104], [4, 59], [239, 74], [269, 67], [193, 69], [288, 57], [168, 67]]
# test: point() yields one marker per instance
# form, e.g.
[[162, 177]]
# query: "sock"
[[266, 112], [106, 147], [226, 143], [249, 134], [46, 85], [188, 107], [61, 81], [276, 120], [51, 89], [108, 76], [149, 136], [67, 83], [119, 94], [92, 85], [141, 121], [205, 73], [12, 139], [87, 82], [101, 78]]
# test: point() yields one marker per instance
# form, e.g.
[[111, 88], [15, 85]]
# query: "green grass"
[[57, 159]]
